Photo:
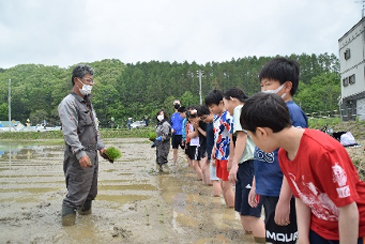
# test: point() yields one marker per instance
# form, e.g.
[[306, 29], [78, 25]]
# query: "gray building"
[[352, 62]]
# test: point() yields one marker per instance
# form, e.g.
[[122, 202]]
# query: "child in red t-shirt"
[[330, 197]]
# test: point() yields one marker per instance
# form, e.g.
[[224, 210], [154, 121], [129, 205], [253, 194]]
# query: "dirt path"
[[135, 203]]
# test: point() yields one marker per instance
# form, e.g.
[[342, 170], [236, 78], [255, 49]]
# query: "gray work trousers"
[[81, 183]]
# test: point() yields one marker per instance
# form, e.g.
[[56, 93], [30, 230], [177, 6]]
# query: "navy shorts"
[[176, 141], [243, 186]]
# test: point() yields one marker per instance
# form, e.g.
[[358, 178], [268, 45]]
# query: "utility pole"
[[9, 100], [200, 87]]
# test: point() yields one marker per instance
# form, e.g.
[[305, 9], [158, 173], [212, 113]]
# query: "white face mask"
[[160, 117], [276, 91], [86, 89]]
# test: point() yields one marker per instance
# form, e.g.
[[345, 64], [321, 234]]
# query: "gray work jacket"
[[79, 128]]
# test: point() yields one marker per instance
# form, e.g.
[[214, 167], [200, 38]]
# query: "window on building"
[[352, 79], [347, 54], [345, 81]]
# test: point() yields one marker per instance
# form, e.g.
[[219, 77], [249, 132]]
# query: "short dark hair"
[[283, 70], [203, 110], [235, 93], [80, 71], [214, 97], [265, 110]]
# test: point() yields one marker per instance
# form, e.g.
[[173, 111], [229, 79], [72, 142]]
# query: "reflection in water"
[[15, 150], [193, 206]]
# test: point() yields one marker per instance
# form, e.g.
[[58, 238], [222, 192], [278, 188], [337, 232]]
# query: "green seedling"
[[112, 154], [152, 136]]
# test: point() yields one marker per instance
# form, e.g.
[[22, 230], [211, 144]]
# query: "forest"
[[139, 90]]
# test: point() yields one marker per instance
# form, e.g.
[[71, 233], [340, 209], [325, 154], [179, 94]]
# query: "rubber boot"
[[68, 215], [86, 208]]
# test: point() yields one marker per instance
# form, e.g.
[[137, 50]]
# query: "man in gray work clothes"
[[82, 140]]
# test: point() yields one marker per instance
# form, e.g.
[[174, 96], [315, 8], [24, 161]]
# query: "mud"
[[135, 203]]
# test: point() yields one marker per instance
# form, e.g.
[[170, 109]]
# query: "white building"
[[352, 62]]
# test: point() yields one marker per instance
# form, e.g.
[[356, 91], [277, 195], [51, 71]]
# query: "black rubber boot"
[[86, 208], [68, 215]]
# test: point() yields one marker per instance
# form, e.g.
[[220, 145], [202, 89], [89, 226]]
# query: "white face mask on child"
[[160, 117], [276, 91]]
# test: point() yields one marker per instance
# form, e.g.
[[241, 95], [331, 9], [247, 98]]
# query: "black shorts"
[[202, 152], [176, 141], [269, 204], [193, 153]]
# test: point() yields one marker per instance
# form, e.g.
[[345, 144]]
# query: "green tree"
[[320, 94], [140, 89], [189, 99]]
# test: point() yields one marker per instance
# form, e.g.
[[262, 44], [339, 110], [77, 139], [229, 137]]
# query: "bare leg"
[[228, 193], [189, 162], [175, 155], [217, 189], [204, 165], [197, 169], [254, 224]]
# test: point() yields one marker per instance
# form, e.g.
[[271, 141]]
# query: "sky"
[[67, 32]]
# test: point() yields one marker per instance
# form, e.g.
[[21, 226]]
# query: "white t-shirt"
[[193, 141]]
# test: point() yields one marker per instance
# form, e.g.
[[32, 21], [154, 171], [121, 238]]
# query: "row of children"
[[310, 190], [222, 154]]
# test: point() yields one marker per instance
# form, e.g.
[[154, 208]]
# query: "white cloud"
[[67, 32]]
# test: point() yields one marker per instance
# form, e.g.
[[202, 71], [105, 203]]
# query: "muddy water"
[[135, 203]]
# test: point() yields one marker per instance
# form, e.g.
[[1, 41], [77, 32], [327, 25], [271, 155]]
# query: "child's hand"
[[253, 198], [229, 164], [232, 177], [282, 213]]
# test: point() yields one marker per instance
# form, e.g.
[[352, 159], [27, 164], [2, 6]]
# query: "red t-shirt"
[[323, 176]]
